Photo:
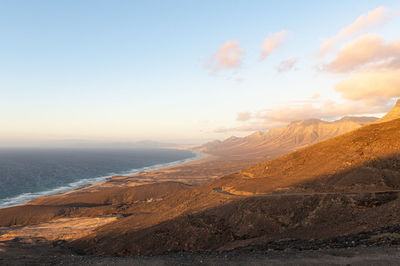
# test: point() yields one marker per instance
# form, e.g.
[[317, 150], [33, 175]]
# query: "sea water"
[[28, 173]]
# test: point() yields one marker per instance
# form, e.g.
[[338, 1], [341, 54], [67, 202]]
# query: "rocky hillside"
[[279, 141]]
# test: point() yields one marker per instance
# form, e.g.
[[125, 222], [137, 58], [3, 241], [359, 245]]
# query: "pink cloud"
[[363, 51], [228, 56], [370, 84], [315, 96], [272, 42], [373, 18], [374, 68], [282, 115], [243, 116]]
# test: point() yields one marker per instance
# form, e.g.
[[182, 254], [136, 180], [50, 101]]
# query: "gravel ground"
[[16, 253]]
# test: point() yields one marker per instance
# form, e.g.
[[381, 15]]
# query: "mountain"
[[337, 192], [279, 141], [393, 114], [362, 160]]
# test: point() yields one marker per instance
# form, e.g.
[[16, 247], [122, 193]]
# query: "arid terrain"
[[339, 195], [278, 141]]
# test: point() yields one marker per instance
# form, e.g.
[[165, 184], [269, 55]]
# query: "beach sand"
[[196, 172]]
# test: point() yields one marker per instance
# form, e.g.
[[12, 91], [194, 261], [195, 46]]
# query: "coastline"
[[92, 182], [76, 213], [137, 177]]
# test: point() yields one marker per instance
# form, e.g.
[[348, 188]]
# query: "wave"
[[28, 196]]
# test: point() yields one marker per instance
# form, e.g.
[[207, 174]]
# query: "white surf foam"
[[26, 197]]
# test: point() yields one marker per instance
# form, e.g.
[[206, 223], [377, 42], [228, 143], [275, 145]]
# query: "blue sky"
[[134, 70]]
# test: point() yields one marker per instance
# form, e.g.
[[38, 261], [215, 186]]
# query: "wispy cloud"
[[373, 18], [243, 116], [287, 65], [272, 42], [228, 56], [315, 96]]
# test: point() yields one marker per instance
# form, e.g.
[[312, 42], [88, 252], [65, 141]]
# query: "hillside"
[[393, 114], [279, 141], [346, 185], [365, 159]]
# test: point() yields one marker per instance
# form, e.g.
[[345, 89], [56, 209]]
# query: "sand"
[[58, 229]]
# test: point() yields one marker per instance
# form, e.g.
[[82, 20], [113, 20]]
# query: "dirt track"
[[220, 190]]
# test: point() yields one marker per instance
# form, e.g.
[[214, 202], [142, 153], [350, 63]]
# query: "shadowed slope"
[[87, 204], [249, 221]]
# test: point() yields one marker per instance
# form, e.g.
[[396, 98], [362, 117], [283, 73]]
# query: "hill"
[[393, 114]]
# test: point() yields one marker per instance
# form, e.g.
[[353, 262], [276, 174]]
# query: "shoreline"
[[90, 183], [140, 177]]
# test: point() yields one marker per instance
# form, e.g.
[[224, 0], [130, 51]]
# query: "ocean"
[[28, 173]]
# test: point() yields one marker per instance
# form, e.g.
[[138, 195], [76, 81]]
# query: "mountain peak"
[[257, 133], [306, 122], [232, 138]]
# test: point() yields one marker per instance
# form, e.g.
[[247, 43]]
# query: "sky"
[[190, 71]]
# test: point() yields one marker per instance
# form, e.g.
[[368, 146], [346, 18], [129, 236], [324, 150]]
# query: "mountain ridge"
[[279, 141]]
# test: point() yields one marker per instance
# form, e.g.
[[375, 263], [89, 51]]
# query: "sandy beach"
[[198, 171]]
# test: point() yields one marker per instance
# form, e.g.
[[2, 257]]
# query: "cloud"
[[282, 115], [243, 116], [272, 42], [315, 96], [239, 80], [228, 56], [374, 18], [325, 110], [371, 84], [365, 50], [373, 68], [286, 65]]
